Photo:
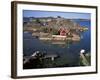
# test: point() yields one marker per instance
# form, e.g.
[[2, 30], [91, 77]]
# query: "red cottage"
[[63, 31]]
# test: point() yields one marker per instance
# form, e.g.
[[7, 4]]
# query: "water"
[[69, 53]]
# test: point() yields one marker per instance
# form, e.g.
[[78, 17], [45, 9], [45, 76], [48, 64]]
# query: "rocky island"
[[51, 28]]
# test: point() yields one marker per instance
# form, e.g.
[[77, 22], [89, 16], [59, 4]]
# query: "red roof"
[[63, 31]]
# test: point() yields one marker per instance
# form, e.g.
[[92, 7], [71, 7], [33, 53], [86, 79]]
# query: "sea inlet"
[[53, 53]]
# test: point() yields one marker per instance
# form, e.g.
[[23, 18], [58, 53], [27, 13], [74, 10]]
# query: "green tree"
[[55, 32]]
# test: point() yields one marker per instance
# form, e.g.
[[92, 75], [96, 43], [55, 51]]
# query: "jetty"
[[51, 56], [60, 38], [40, 55]]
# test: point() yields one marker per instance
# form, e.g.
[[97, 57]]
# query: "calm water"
[[69, 52]]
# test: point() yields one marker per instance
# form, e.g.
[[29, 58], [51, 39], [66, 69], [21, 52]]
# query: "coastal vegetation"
[[45, 27]]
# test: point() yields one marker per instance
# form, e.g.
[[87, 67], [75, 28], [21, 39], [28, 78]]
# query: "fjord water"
[[69, 53]]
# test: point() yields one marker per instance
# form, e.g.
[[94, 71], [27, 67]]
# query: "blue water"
[[70, 52]]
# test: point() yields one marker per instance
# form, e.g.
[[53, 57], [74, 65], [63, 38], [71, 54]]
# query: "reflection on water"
[[62, 44]]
